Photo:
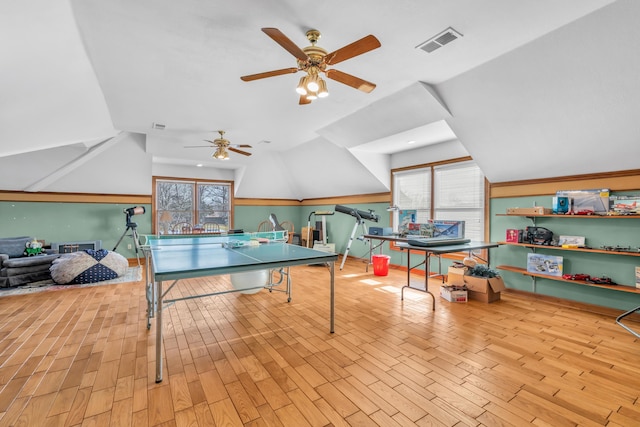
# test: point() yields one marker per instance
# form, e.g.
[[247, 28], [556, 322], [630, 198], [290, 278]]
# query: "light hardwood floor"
[[85, 357]]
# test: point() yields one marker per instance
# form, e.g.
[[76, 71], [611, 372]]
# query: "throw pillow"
[[88, 266]]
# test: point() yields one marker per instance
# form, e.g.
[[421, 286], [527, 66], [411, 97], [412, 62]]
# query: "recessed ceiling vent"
[[158, 126], [441, 39]]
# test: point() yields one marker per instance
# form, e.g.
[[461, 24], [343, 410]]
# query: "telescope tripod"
[[133, 227], [359, 221]]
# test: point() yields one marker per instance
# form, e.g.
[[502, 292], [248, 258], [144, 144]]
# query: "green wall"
[[598, 232], [65, 222], [247, 218], [339, 225]]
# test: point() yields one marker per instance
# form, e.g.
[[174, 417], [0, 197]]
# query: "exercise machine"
[[323, 238]]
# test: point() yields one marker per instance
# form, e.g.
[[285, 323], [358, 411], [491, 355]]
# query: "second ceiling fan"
[[314, 60], [222, 145]]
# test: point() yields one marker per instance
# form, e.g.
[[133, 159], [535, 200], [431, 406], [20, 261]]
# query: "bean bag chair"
[[88, 266]]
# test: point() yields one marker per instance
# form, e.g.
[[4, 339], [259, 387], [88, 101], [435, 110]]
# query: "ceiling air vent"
[[158, 126], [441, 39]]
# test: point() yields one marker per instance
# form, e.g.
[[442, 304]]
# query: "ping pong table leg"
[[150, 286], [289, 288], [159, 311], [333, 300]]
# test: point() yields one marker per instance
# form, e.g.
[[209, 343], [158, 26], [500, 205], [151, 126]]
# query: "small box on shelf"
[[514, 236], [544, 264], [536, 210]]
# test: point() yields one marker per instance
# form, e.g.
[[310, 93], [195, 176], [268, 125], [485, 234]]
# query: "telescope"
[[131, 226], [129, 212], [360, 215], [136, 210]]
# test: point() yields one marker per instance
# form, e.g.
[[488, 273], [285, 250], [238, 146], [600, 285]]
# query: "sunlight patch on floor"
[[352, 275], [371, 282]]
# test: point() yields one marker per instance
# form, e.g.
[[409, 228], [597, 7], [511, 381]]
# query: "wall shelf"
[[576, 216], [534, 247], [560, 248], [618, 287]]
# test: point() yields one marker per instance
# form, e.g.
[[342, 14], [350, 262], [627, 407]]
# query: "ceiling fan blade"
[[241, 146], [269, 74], [286, 43], [304, 100], [350, 80], [356, 48], [235, 150]]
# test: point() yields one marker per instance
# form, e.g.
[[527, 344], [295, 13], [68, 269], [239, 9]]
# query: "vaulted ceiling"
[[543, 83]]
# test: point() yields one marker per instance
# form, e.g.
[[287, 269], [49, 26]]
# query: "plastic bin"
[[381, 265]]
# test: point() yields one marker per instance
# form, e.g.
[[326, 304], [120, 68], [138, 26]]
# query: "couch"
[[17, 268]]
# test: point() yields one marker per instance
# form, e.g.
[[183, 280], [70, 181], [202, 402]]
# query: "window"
[[187, 206], [451, 191]]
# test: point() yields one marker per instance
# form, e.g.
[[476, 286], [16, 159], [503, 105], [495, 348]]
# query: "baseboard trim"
[[560, 302]]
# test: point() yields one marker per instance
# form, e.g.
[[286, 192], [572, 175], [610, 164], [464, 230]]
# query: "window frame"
[[432, 208], [195, 211]]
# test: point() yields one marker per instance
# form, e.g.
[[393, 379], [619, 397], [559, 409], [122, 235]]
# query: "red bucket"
[[381, 265]]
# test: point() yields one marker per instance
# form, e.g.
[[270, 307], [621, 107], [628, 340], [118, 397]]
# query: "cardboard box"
[[380, 231], [544, 264], [536, 210], [307, 232], [483, 289], [325, 247], [596, 200], [455, 276], [453, 294]]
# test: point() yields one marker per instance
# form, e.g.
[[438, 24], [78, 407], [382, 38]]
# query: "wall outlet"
[[129, 246]]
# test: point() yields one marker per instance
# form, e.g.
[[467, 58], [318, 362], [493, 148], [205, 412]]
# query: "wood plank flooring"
[[85, 358]]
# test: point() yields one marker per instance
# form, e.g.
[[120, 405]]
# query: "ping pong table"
[[171, 258]]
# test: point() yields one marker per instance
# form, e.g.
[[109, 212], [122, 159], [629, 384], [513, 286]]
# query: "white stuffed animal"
[[33, 248]]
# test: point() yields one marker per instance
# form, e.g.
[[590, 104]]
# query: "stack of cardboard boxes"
[[478, 288]]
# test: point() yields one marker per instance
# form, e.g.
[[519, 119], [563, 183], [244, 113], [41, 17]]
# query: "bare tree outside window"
[[189, 205], [213, 204]]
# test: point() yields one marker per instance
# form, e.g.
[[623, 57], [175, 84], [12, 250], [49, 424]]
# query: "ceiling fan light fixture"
[[322, 89], [313, 85], [301, 89], [311, 96], [221, 154]]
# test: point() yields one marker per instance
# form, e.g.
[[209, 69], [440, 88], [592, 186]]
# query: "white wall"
[[120, 168], [315, 170]]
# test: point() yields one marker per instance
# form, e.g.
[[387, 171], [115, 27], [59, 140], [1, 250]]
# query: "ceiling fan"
[[315, 60], [222, 145]]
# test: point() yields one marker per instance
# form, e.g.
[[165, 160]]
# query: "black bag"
[[538, 235]]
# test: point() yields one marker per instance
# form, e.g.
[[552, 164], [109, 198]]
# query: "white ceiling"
[[76, 72]]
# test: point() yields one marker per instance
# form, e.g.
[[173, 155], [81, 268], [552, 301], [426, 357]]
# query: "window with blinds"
[[453, 191]]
